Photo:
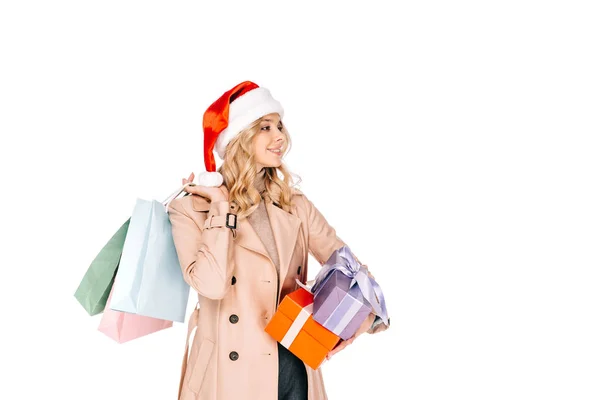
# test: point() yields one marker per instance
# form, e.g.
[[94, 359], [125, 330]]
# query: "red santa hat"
[[235, 110]]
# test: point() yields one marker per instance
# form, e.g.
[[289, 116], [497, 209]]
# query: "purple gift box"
[[339, 307], [345, 294]]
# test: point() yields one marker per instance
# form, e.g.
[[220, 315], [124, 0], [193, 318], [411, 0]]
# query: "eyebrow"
[[269, 120]]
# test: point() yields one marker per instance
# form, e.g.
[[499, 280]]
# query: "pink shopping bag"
[[123, 327]]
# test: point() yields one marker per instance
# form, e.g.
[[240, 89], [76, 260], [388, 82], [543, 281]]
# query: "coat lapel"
[[248, 238], [285, 228]]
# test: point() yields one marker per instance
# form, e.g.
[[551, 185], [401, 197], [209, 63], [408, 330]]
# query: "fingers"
[[337, 349], [340, 347], [189, 179]]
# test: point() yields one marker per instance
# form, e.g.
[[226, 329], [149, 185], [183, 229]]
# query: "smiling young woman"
[[243, 237]]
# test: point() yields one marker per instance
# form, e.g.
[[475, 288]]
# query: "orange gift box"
[[293, 326]]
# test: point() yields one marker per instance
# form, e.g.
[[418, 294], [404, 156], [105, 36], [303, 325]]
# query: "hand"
[[364, 327], [211, 193]]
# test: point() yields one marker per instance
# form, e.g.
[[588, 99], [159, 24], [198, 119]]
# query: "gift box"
[[294, 327], [340, 307], [345, 295]]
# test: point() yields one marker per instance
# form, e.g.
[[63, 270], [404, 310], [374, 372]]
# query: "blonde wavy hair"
[[239, 173]]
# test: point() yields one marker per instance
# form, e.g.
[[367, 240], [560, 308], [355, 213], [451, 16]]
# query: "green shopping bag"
[[95, 286]]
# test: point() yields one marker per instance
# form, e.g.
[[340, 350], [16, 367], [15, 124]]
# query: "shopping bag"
[[123, 327], [149, 280], [95, 286]]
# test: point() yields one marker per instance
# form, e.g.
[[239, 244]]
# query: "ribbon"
[[341, 316], [297, 325], [343, 261]]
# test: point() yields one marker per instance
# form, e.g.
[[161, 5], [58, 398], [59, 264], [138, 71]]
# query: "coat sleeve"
[[205, 255], [323, 241]]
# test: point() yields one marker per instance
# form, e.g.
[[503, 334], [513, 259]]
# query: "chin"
[[272, 164]]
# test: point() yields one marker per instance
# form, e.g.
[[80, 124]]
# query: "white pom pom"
[[211, 179]]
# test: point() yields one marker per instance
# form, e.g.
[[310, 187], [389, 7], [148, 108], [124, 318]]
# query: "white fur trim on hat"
[[245, 110], [210, 179]]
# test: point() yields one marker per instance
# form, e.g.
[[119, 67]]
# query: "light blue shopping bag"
[[149, 280]]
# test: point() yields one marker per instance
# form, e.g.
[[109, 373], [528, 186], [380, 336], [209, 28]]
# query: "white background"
[[453, 145]]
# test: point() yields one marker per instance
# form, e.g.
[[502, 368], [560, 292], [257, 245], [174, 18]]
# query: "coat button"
[[233, 319], [299, 269], [233, 356], [233, 280]]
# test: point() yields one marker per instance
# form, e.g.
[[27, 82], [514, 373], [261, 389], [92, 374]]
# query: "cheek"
[[260, 145], [261, 142]]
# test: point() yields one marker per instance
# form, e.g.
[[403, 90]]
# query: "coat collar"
[[285, 228]]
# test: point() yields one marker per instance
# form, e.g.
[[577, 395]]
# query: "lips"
[[276, 151]]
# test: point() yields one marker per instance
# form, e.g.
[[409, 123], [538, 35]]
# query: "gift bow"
[[342, 260]]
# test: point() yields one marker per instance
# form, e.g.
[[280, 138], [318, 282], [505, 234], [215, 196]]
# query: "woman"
[[243, 238]]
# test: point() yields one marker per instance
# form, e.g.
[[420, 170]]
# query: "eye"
[[280, 127], [266, 128]]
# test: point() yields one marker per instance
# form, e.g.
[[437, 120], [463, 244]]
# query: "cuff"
[[218, 217], [378, 325]]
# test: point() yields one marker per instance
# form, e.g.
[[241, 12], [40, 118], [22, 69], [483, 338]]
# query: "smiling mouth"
[[276, 151]]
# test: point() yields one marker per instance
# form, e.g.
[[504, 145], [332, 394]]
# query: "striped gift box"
[[293, 326]]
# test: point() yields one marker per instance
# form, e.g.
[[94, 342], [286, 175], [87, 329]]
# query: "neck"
[[259, 180]]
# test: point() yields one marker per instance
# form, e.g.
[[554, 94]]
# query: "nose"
[[278, 138]]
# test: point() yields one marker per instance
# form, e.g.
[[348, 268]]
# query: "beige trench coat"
[[231, 356]]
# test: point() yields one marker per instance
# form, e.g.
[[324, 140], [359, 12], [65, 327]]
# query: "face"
[[269, 143]]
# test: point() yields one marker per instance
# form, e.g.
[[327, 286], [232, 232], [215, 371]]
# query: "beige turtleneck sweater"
[[259, 219]]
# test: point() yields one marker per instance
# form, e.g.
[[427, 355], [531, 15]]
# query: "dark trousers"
[[293, 382]]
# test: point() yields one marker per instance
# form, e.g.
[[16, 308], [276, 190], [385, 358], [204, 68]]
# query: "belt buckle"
[[227, 218]]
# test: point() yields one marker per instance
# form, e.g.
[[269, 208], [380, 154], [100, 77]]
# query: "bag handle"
[[175, 194]]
